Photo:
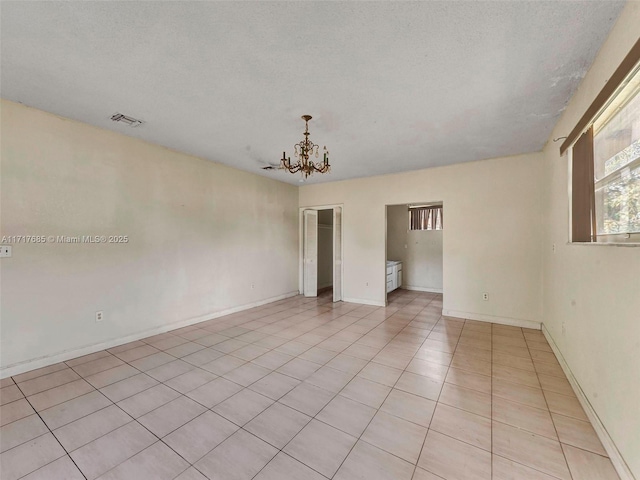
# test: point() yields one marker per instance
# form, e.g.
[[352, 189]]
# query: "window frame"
[[583, 134]]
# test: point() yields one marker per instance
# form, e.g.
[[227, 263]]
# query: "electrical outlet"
[[253, 286], [5, 251], [367, 284], [485, 296], [554, 248], [99, 316]]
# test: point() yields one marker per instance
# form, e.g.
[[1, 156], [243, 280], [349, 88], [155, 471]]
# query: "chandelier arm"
[[321, 168]]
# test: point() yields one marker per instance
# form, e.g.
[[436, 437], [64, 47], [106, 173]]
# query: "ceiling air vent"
[[130, 121]]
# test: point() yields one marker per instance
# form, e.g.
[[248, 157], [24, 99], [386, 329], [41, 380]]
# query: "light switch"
[[5, 251]]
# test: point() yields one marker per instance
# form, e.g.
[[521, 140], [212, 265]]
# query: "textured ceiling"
[[392, 86]]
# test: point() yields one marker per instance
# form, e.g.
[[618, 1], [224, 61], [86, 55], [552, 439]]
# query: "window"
[[605, 161], [616, 149], [425, 218]]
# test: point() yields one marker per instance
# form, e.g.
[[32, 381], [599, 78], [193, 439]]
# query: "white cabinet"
[[394, 275]]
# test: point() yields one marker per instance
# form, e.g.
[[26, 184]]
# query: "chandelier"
[[304, 150]]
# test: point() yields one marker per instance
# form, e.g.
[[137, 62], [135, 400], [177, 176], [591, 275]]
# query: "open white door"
[[337, 254], [310, 253]]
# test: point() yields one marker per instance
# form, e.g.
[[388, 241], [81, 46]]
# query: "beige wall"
[[423, 261], [200, 235], [419, 250], [491, 243], [594, 290]]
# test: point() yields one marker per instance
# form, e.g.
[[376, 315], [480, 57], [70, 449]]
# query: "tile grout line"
[[158, 439], [438, 402], [549, 410], [281, 450], [107, 433], [207, 409], [355, 321], [95, 389], [528, 431], [113, 403], [385, 399], [301, 333], [332, 398], [54, 436], [413, 357]]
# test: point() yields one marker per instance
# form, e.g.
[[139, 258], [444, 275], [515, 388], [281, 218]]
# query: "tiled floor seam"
[[359, 438], [56, 438], [158, 439], [332, 398], [392, 387], [552, 422], [398, 324], [47, 389], [207, 409], [415, 467], [559, 414], [12, 377]]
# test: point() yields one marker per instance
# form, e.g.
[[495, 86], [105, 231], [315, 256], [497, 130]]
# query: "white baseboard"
[[422, 289], [607, 442], [364, 302], [28, 365], [514, 322]]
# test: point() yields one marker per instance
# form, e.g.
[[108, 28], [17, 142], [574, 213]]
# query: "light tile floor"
[[305, 389]]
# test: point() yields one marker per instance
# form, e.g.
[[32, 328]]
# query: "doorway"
[[325, 251], [414, 248], [321, 252]]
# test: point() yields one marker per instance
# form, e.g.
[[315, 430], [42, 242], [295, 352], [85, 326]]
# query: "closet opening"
[[321, 252]]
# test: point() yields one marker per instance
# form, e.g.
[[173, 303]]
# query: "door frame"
[[386, 233], [301, 244]]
